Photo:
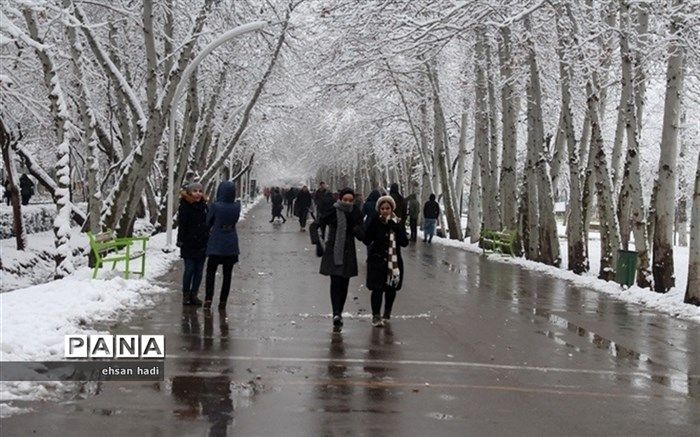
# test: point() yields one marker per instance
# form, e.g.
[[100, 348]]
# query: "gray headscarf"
[[341, 230]]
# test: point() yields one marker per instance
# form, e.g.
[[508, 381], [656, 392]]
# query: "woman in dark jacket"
[[385, 235], [223, 241], [277, 201], [192, 237], [369, 209], [339, 260], [431, 212], [302, 204]]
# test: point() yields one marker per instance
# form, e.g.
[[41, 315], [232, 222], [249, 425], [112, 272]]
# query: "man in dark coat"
[[324, 201], [290, 195], [302, 204], [413, 213], [369, 209], [222, 248], [26, 188], [400, 210], [192, 238], [277, 201], [431, 212]]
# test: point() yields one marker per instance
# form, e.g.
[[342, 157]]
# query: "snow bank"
[[668, 303], [34, 320]]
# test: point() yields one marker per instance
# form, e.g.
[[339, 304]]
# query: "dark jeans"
[[377, 300], [227, 263], [192, 276], [302, 217], [414, 229], [25, 199], [339, 292]]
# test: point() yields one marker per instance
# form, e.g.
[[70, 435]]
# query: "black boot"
[[194, 300]]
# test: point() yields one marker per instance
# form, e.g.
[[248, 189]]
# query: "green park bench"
[[497, 241], [106, 248]]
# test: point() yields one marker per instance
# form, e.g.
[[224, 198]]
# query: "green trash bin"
[[626, 267]]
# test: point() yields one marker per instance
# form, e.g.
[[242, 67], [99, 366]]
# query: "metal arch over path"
[[233, 33]]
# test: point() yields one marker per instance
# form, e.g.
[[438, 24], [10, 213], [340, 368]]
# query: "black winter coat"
[[192, 229], [400, 210], [377, 241], [277, 201], [431, 210], [302, 203], [354, 230]]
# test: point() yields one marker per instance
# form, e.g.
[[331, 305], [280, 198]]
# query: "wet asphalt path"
[[476, 347]]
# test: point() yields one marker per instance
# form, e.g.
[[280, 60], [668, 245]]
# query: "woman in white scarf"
[[384, 236]]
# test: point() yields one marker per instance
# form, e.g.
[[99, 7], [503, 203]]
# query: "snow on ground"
[[668, 303], [34, 320]]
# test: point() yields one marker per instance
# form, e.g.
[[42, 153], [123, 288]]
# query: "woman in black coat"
[[339, 260], [277, 201], [302, 204], [192, 238], [385, 235]]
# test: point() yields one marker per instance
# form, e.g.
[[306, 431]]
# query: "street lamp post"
[[233, 33]]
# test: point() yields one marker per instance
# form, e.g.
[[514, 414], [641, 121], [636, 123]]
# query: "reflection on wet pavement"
[[473, 345]]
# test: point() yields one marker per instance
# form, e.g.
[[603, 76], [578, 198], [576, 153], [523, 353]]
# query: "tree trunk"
[[630, 209], [6, 140], [59, 113], [609, 229], [578, 262], [546, 225], [681, 222], [474, 212], [439, 138], [510, 104], [692, 291], [662, 268]]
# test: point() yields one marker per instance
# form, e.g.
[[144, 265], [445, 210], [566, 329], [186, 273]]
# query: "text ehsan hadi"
[[114, 346]]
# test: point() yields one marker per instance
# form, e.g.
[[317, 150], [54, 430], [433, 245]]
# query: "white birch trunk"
[[510, 105], [662, 268], [692, 291]]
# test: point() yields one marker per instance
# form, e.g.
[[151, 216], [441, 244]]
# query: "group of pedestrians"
[[379, 223], [206, 233]]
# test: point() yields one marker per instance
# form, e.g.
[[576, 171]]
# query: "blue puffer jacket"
[[221, 219]]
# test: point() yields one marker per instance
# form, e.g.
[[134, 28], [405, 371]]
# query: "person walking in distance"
[[399, 201], [302, 205], [26, 188], [192, 238], [277, 201], [413, 213], [385, 235], [290, 195], [222, 248], [339, 258], [431, 212], [323, 202], [369, 209]]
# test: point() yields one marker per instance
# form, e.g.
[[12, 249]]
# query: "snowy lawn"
[[34, 320], [669, 303]]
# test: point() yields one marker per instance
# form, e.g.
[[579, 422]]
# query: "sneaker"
[[377, 322], [186, 299], [337, 321], [386, 317]]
